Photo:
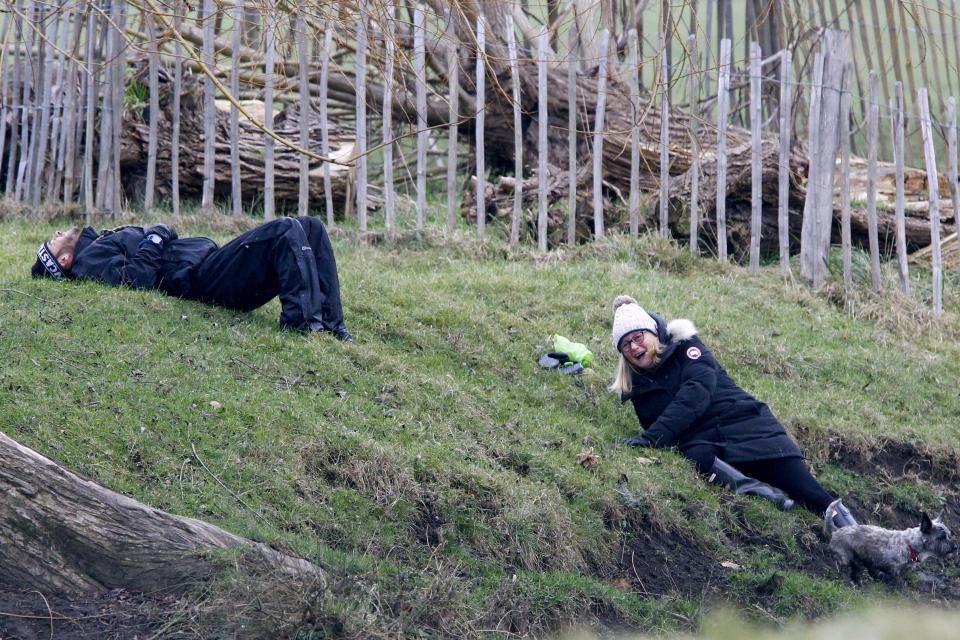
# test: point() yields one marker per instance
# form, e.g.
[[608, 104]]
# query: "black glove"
[[167, 233], [638, 441]]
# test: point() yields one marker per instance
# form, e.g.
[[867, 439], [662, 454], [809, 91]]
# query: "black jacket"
[[688, 399], [120, 257]]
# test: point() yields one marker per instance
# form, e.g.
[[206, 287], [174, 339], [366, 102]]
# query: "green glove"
[[576, 350]]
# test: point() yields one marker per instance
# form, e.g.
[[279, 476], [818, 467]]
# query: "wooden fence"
[[80, 83]]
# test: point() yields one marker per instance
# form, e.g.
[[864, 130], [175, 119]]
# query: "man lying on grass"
[[288, 257]]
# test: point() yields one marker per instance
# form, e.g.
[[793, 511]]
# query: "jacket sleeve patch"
[[694, 353]]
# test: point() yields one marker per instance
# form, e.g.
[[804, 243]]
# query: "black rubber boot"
[[842, 516], [726, 475]]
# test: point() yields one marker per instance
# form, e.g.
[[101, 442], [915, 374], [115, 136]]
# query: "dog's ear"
[[926, 525]]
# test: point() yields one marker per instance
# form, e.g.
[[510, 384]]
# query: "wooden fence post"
[[303, 113], [572, 136], [270, 35], [420, 71], [783, 173], [4, 80], [89, 122], [933, 189], [480, 115], [900, 206], [634, 79], [119, 91], [43, 138], [175, 113], [664, 137], [361, 113], [16, 106], [598, 136], [453, 96], [209, 108], [154, 120], [873, 124], [694, 120], [389, 204], [756, 175], [723, 96], [236, 190], [845, 239], [324, 123], [952, 161], [542, 126], [106, 112], [517, 132]]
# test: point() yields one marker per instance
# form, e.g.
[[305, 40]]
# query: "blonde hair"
[[622, 380]]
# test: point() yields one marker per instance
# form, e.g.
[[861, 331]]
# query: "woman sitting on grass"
[[684, 399]]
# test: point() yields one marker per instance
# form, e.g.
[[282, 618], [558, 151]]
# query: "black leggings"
[[789, 474]]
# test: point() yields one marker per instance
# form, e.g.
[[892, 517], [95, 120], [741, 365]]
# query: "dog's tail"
[[829, 526]]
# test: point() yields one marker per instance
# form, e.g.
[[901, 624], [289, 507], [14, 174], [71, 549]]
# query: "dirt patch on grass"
[[114, 614]]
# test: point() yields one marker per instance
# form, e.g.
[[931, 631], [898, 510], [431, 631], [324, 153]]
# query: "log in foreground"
[[64, 534]]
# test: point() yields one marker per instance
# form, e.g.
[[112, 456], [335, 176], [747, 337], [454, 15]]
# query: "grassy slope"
[[432, 466]]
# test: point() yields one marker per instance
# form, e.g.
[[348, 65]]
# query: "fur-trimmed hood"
[[681, 329]]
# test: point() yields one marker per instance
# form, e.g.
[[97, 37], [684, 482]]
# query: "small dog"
[[885, 553]]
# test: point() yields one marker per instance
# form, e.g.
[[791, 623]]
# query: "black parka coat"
[[687, 399]]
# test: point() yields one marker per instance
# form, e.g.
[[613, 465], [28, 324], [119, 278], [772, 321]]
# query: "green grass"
[[430, 466]]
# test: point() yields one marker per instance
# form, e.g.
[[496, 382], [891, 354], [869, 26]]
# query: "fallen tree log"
[[64, 534], [286, 161]]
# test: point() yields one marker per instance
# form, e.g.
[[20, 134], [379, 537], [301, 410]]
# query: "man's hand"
[[167, 233], [638, 441]]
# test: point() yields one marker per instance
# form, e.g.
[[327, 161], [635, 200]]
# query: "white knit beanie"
[[628, 316]]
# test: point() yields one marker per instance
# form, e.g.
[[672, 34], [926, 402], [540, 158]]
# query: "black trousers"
[[788, 474], [288, 257]]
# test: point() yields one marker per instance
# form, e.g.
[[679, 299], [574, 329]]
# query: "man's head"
[[55, 256]]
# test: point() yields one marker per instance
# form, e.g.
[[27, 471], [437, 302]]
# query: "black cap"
[[46, 264]]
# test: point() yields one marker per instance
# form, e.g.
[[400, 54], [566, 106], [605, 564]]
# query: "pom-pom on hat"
[[628, 316]]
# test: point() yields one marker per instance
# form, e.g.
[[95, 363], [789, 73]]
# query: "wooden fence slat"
[[633, 49], [106, 112], [57, 136], [783, 168], [756, 195], [480, 115], [303, 57], [517, 131], [900, 206], [175, 112], [27, 123], [420, 73], [15, 100], [46, 104], [209, 108], [453, 98], [236, 187], [73, 121], [598, 136], [933, 188], [4, 80], [361, 111], [572, 39], [808, 245], [664, 136], [723, 95], [92, 69], [153, 125], [873, 123], [952, 159], [324, 121], [389, 194], [542, 127], [845, 237], [270, 34], [118, 94], [694, 120]]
